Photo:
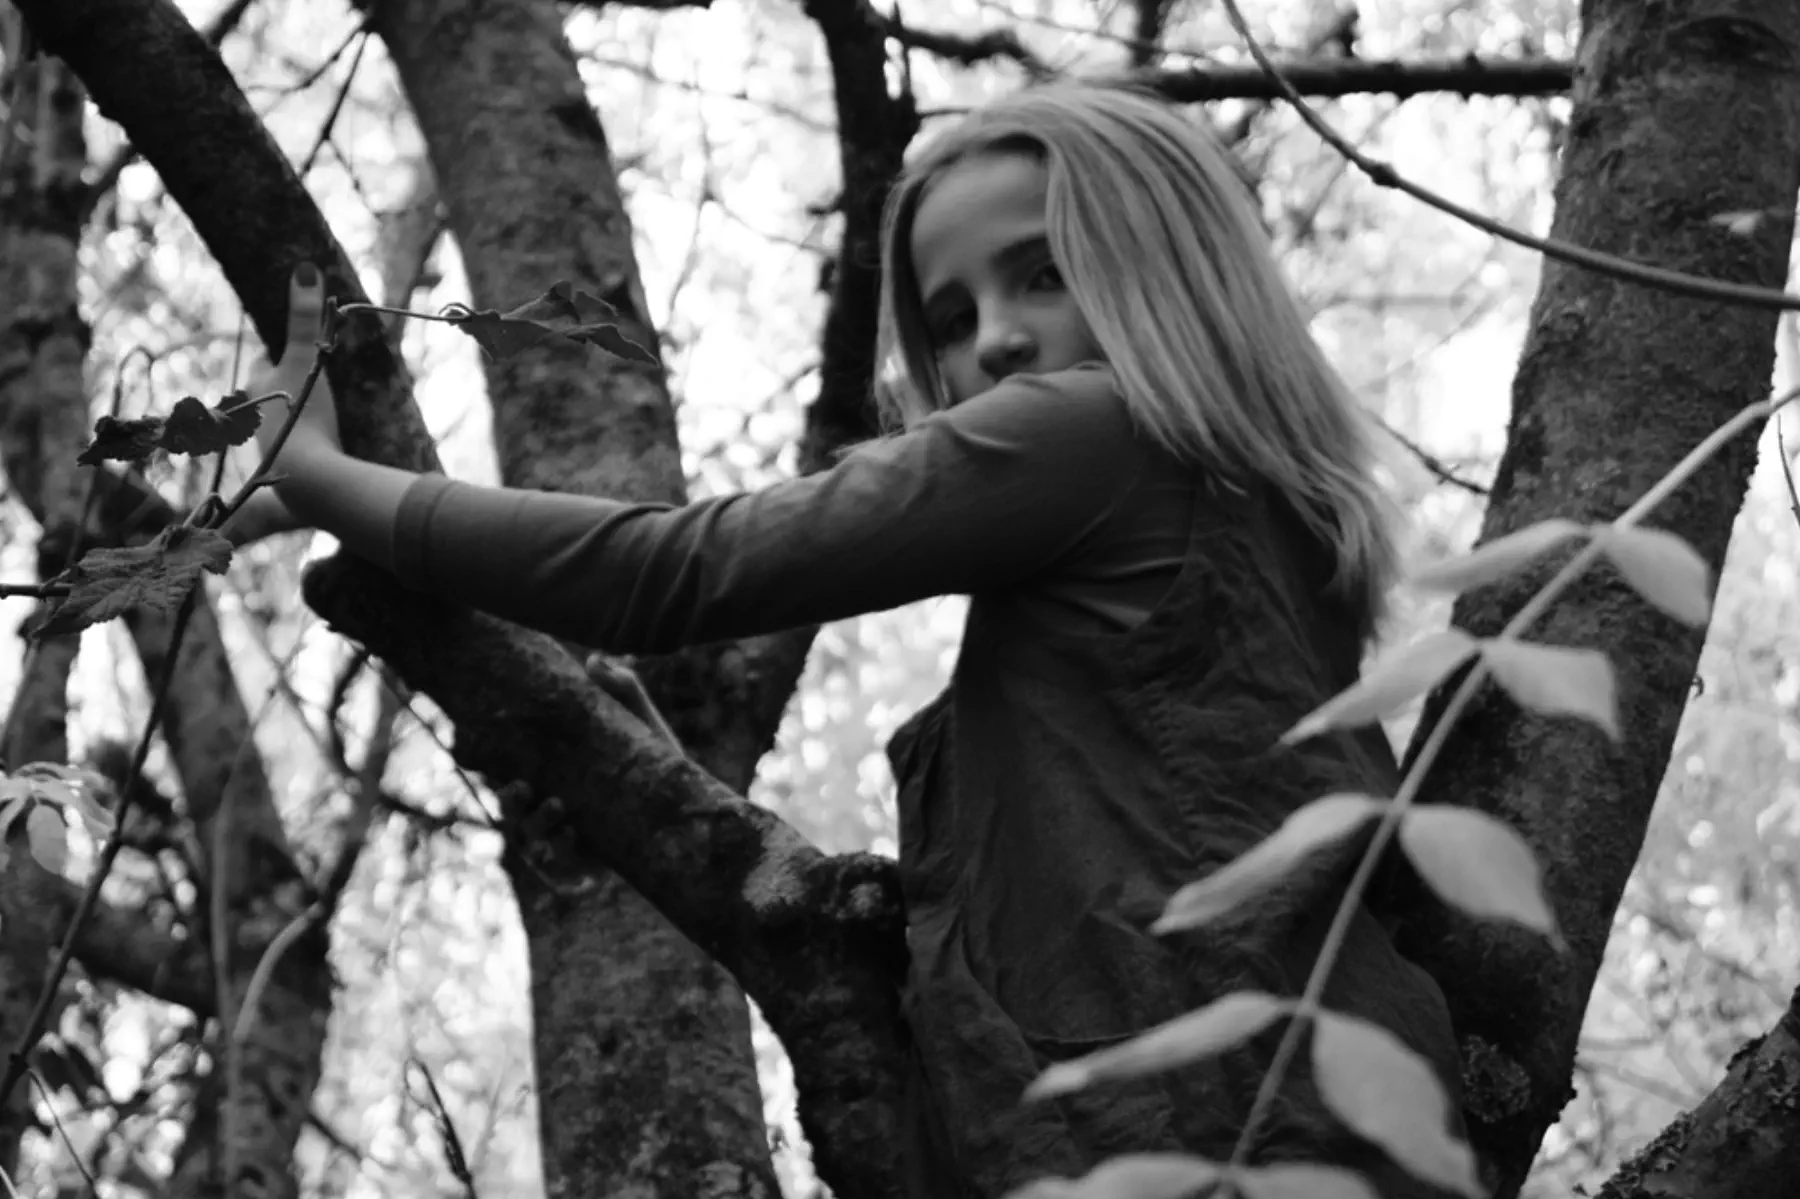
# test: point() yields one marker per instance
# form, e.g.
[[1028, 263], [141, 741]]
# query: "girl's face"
[[995, 302]]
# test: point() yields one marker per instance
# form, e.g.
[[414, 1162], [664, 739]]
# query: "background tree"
[[538, 130]]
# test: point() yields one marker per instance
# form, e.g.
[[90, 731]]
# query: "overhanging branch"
[[1468, 76]]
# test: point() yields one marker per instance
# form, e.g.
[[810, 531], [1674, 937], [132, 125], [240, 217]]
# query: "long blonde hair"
[[1171, 268]]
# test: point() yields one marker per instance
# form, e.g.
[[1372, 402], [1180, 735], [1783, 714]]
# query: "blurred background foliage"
[[720, 123]]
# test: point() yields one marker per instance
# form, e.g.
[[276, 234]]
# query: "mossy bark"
[[1684, 111]]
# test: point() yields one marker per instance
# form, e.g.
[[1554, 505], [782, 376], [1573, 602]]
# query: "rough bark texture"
[[42, 341], [645, 1072], [207, 726], [874, 128], [816, 941], [261, 1100], [1742, 1142], [1683, 109]]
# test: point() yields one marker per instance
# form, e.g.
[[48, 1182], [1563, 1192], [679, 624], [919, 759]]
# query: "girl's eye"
[[951, 327], [1046, 278]]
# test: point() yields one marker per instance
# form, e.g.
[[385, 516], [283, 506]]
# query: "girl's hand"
[[263, 514], [317, 427]]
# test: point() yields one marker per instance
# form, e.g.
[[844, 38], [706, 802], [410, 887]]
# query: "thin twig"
[[40, 1014], [56, 1119], [453, 1147], [1384, 175], [33, 590], [337, 106], [1429, 460]]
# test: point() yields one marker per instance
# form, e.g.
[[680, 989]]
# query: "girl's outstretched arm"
[[993, 494], [321, 487]]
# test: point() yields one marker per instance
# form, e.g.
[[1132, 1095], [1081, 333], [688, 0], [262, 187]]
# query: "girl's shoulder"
[[1079, 409]]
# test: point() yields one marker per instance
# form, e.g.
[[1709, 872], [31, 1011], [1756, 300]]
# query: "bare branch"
[[1468, 76], [968, 49]]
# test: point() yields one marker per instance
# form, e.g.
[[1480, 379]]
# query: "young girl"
[[1120, 441]]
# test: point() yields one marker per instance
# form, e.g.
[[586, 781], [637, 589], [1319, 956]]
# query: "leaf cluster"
[[1378, 1087]]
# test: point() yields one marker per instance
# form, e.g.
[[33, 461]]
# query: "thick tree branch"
[[816, 941], [216, 31], [120, 946], [1468, 76], [1739, 1143]]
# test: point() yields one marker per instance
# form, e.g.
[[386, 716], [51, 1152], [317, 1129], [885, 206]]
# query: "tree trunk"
[[660, 1092], [207, 728], [1683, 110], [42, 340]]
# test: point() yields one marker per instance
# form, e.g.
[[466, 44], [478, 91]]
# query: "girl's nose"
[[1005, 352]]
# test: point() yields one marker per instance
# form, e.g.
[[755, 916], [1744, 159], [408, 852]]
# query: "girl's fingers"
[[306, 308]]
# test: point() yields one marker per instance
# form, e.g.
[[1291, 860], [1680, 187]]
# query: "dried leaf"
[[1386, 1093], [1302, 1180], [1129, 1176], [109, 582], [118, 440], [1478, 863], [1204, 1033], [1556, 680], [1497, 559], [1665, 570], [563, 311], [1390, 685], [1319, 823], [193, 428], [48, 837]]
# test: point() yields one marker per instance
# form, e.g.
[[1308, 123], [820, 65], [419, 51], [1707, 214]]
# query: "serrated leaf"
[[48, 837], [1556, 680], [1497, 559], [1478, 863], [157, 575], [193, 428], [118, 440], [1391, 684], [1319, 823], [1129, 1176], [1207, 1032], [1302, 1180], [1387, 1094], [1665, 570], [563, 311]]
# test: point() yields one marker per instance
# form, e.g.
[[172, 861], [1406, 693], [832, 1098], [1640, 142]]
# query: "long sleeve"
[[986, 496]]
